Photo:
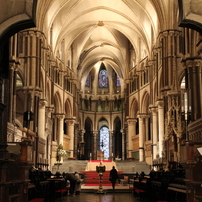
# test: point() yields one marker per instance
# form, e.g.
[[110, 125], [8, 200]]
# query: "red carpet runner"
[[92, 178]]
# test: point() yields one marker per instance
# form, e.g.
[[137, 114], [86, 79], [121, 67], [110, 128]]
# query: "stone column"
[[111, 144], [194, 80], [82, 143], [95, 144], [141, 137], [131, 131], [123, 144], [60, 128], [41, 118], [154, 131], [14, 93], [70, 131], [161, 127], [11, 84], [76, 136]]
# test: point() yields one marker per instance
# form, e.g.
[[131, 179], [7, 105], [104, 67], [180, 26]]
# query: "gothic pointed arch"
[[68, 109], [117, 138], [88, 140], [57, 103], [134, 108], [145, 102], [103, 81], [103, 136]]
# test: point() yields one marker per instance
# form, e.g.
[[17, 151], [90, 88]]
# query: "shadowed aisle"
[[108, 197]]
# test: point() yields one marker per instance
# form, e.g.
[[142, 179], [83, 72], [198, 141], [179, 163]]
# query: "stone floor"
[[89, 194], [107, 197]]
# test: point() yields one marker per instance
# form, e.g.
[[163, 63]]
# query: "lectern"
[[100, 170]]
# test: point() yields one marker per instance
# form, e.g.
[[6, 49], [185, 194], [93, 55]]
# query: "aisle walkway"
[[108, 197]]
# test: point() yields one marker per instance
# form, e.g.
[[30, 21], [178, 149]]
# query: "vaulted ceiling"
[[100, 30]]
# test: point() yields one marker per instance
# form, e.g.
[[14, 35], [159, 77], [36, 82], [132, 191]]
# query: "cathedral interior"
[[116, 80]]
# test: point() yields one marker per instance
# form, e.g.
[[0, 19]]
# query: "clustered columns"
[[94, 144], [161, 126], [194, 77], [60, 131], [155, 131], [123, 144], [142, 131], [131, 132], [111, 143], [12, 83], [70, 131], [41, 118], [82, 143]]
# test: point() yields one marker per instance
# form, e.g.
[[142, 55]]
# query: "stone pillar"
[[11, 84], [82, 143], [60, 129], [41, 118], [111, 144], [95, 144], [194, 79], [123, 144], [76, 136], [131, 132], [161, 127], [154, 131], [70, 131], [141, 137], [55, 129]]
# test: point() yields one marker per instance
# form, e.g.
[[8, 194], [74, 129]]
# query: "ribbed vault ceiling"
[[100, 30]]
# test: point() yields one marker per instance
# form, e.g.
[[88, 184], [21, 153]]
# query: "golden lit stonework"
[[100, 23]]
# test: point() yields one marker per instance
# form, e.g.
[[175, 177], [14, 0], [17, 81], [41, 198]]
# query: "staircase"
[[70, 166], [92, 177], [128, 166]]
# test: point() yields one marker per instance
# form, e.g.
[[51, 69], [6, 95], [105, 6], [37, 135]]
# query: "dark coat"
[[70, 177], [113, 175]]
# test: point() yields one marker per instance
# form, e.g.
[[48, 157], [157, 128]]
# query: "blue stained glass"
[[87, 84], [103, 79], [104, 139], [118, 84]]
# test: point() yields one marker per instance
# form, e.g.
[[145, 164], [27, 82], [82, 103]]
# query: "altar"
[[91, 165]]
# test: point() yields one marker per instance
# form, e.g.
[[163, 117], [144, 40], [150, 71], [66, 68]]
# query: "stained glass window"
[[103, 79], [118, 84], [104, 141], [87, 84]]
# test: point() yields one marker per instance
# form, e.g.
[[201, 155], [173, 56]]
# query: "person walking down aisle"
[[78, 183], [113, 176]]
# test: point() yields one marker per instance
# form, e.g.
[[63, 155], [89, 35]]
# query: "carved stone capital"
[[59, 116], [70, 121], [160, 103], [131, 121], [42, 102]]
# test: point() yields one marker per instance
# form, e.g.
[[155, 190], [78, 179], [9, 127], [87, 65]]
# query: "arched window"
[[87, 84], [104, 141], [103, 79], [118, 84]]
